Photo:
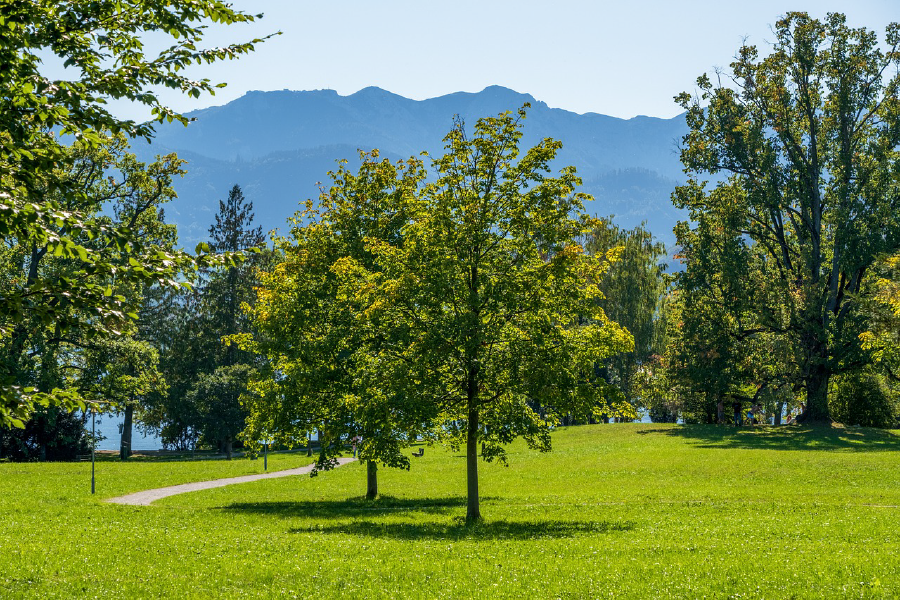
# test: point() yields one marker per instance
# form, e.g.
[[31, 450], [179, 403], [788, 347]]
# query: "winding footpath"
[[147, 497]]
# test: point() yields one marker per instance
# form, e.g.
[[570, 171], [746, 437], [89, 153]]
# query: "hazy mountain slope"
[[277, 145]]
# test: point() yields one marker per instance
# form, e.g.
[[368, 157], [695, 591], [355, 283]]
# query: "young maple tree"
[[489, 306]]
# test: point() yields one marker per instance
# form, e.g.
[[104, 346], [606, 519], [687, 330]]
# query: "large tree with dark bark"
[[804, 143]]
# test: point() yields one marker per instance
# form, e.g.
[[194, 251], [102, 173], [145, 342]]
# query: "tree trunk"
[[779, 408], [125, 446], [228, 447], [473, 510], [371, 480], [816, 397]]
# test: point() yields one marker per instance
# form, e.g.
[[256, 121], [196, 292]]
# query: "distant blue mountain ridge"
[[279, 145]]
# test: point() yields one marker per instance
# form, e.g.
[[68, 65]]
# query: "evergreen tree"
[[227, 289], [207, 377]]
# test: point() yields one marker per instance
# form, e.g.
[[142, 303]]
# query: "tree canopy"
[[464, 310], [41, 204], [312, 328], [804, 142]]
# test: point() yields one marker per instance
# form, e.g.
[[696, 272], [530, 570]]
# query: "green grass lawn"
[[614, 511]]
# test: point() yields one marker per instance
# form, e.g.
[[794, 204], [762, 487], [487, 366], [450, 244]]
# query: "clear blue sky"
[[623, 59]]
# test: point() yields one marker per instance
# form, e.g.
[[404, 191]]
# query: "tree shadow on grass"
[[359, 516], [350, 508], [456, 529], [785, 437]]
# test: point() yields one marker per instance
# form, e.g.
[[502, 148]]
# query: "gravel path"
[[146, 497]]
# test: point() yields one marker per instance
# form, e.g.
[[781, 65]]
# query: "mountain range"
[[279, 145]]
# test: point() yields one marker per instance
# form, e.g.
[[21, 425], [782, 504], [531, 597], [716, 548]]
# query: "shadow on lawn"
[[351, 508], [365, 518], [456, 529], [786, 437]]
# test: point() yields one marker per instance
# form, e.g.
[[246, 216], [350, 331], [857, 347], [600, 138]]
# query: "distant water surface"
[[109, 426]]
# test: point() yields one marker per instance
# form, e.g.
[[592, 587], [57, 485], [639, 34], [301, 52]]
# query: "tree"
[[490, 301], [632, 289], [124, 372], [189, 328], [808, 139], [312, 327], [49, 338], [710, 355], [101, 45], [882, 337], [170, 321], [227, 289], [216, 397]]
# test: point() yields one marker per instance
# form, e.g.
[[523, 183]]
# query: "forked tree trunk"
[[371, 480], [125, 446], [473, 510]]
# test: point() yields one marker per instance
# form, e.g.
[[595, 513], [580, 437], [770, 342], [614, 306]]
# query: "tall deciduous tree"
[[101, 43], [808, 139], [120, 198], [124, 372], [492, 299]]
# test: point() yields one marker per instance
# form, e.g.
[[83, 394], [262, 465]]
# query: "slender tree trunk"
[[125, 446], [779, 408], [473, 510], [228, 448], [371, 480]]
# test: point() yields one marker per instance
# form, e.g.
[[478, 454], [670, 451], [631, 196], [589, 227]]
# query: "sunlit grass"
[[613, 511]]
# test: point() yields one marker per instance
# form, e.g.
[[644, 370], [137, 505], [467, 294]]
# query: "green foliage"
[[862, 398], [632, 290], [122, 371], [321, 370], [491, 303], [63, 304], [882, 337], [807, 141], [446, 311], [49, 433], [216, 397], [206, 376], [47, 208]]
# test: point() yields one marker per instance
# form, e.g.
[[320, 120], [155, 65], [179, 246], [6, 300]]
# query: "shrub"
[[862, 398]]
